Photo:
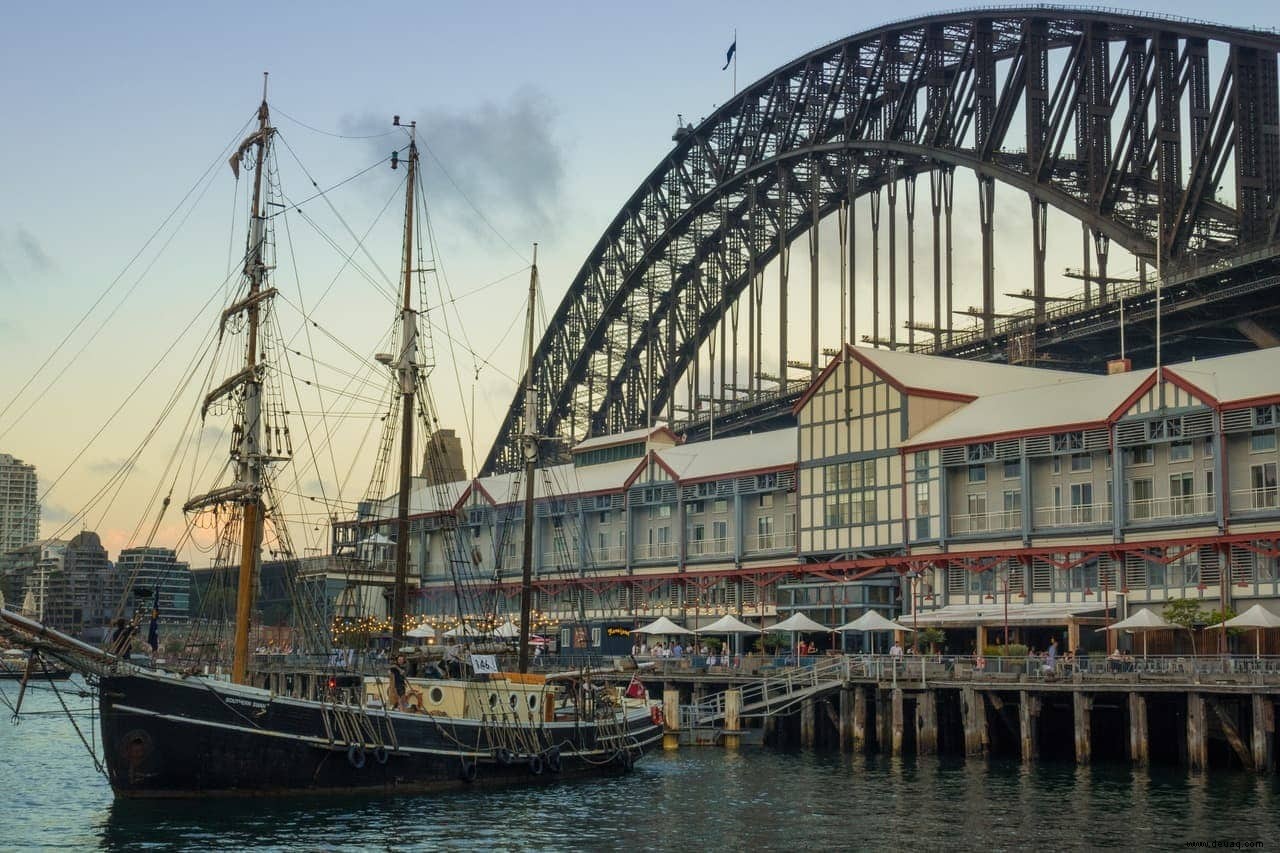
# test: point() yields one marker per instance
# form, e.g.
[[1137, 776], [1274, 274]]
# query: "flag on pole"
[[728, 56], [153, 630]]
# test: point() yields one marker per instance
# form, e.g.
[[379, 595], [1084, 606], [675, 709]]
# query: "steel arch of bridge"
[[1134, 123]]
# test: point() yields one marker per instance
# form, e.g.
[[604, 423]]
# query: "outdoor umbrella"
[[873, 621], [729, 625], [1256, 617], [798, 623], [662, 626], [1142, 622], [422, 632], [506, 631]]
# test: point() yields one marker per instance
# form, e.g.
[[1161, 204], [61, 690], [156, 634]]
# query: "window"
[[1182, 499], [1012, 469], [1167, 428], [1262, 478], [1180, 451], [697, 535], [1056, 465], [604, 502], [664, 511], [1141, 494], [1264, 416], [595, 641], [982, 582], [922, 510], [1208, 483], [977, 512], [766, 501], [694, 508], [764, 531], [1081, 503], [980, 452], [1065, 442], [767, 481], [720, 534], [602, 543], [604, 517], [1261, 442], [1081, 462], [720, 507], [1144, 455], [1208, 447], [706, 490], [1012, 509], [977, 473]]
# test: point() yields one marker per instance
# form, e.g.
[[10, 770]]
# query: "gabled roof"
[[1234, 378], [736, 454], [659, 433], [1062, 405]]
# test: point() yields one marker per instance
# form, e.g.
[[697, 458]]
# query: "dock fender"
[[627, 760], [380, 754], [552, 759], [536, 765], [467, 773], [503, 756], [356, 756]]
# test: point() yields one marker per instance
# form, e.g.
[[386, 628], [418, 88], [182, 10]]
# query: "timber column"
[[1264, 728], [846, 718], [732, 718], [1082, 710], [859, 720], [671, 715], [974, 710], [1139, 732], [1197, 735], [1029, 725], [884, 721], [897, 723], [926, 723], [808, 722]]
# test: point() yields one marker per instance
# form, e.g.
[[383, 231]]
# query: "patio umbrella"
[[729, 625], [872, 621], [798, 623], [1142, 622], [422, 632], [662, 626], [506, 631], [1256, 617]]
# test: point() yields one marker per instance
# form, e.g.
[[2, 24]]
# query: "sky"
[[119, 218]]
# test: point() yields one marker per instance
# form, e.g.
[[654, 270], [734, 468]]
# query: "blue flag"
[[728, 56], [153, 630]]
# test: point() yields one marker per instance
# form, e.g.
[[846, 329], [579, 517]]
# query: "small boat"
[[191, 733], [14, 663]]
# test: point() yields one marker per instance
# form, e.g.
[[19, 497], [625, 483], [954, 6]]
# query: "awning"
[[961, 615]]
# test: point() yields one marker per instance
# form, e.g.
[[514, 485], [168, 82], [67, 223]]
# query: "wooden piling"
[[1231, 731], [859, 723], [1029, 725], [1082, 707], [1197, 735], [897, 722], [846, 718], [973, 708], [926, 723], [1264, 726], [671, 715], [808, 723], [732, 718], [1139, 735], [884, 721]]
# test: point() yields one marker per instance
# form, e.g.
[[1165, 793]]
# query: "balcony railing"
[[655, 551], [1247, 500], [709, 547], [984, 522], [610, 554], [1156, 509], [770, 542], [1076, 515]]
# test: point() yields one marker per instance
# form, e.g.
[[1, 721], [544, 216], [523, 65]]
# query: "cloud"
[[54, 514], [503, 158], [106, 467], [32, 251]]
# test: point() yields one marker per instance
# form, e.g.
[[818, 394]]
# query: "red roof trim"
[[1127, 402], [1189, 386], [835, 362], [748, 472], [993, 436], [1248, 402]]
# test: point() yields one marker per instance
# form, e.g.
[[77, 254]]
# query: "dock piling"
[[1082, 708], [1139, 737], [1029, 725], [1197, 736]]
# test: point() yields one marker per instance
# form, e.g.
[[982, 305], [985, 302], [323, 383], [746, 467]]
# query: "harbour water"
[[691, 800]]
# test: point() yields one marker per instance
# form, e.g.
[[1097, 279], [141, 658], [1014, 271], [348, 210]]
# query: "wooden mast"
[[249, 461], [530, 448], [407, 371]]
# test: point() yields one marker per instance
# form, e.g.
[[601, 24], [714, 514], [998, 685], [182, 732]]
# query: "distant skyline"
[[544, 119]]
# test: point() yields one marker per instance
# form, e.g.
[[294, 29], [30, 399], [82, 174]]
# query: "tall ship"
[[196, 730]]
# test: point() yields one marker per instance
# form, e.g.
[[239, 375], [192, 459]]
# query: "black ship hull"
[[165, 737]]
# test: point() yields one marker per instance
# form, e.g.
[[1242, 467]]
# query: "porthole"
[[493, 701], [533, 701], [515, 701], [436, 695]]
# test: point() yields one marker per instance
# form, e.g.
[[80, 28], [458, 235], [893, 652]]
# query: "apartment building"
[[19, 504]]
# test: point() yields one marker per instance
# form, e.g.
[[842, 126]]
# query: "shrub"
[[1013, 650]]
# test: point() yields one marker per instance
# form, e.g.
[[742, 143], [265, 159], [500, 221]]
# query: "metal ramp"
[[772, 694]]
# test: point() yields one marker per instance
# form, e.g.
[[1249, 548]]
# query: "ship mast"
[[407, 373], [530, 448], [249, 457]]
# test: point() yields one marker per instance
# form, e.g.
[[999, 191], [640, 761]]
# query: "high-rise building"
[[146, 570], [19, 504], [81, 592]]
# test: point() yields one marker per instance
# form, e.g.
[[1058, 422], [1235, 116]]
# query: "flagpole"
[[735, 62]]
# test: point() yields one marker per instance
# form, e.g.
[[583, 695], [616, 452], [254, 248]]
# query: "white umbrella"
[[798, 622], [1256, 617], [873, 621], [506, 631], [462, 630], [729, 625], [422, 632], [1142, 622], [662, 626]]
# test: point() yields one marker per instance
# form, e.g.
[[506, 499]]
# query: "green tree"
[[1186, 613], [930, 637]]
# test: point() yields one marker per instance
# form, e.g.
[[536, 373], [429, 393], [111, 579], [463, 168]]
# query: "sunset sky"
[[539, 120]]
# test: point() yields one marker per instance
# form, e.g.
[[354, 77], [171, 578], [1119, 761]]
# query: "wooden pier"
[[1200, 720]]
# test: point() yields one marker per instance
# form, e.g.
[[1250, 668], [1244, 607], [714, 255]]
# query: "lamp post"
[[1006, 611]]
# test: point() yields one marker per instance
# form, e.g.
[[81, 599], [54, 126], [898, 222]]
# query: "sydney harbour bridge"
[[1152, 138]]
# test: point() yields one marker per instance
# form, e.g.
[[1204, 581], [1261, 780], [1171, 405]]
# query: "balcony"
[[986, 522], [1077, 515], [609, 554], [1163, 509], [761, 542], [1254, 500], [709, 547], [655, 551]]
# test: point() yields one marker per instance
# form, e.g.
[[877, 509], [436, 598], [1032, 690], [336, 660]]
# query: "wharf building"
[[19, 504], [954, 494]]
